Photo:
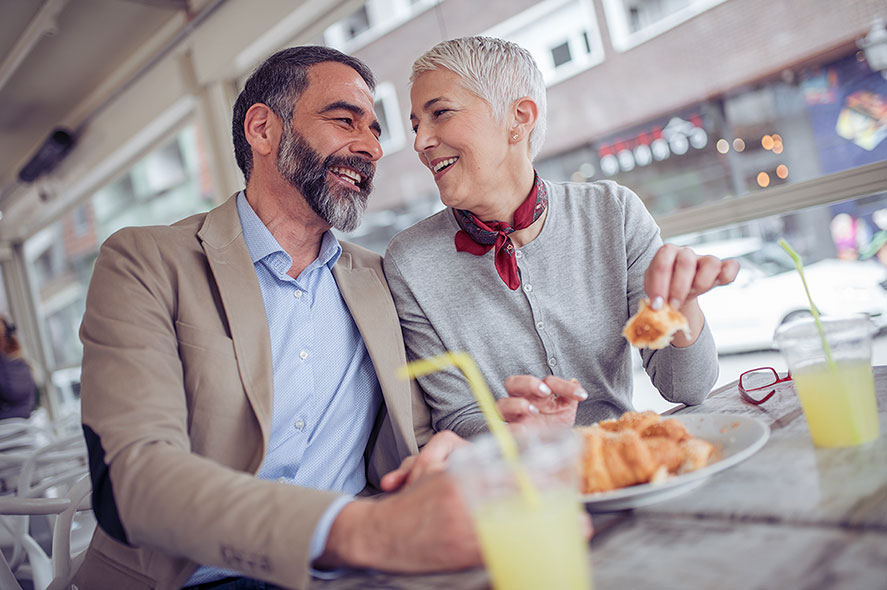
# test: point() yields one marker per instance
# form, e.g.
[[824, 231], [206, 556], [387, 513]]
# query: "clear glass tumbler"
[[837, 390], [527, 514]]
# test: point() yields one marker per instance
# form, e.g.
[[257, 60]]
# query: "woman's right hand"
[[532, 402]]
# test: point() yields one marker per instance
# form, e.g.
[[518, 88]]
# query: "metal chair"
[[44, 474], [55, 571]]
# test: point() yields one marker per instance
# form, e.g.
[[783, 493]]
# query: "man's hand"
[[431, 458], [678, 275], [532, 402], [426, 527]]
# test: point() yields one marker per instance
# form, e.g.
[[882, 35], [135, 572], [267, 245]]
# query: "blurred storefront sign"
[[847, 106], [653, 144]]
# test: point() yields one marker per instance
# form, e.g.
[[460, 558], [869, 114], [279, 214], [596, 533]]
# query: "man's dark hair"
[[278, 83]]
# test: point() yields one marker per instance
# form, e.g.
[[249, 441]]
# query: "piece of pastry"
[[665, 452], [654, 329], [638, 447], [697, 453], [668, 428], [613, 460], [637, 421]]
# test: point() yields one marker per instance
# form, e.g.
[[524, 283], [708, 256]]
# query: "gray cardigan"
[[581, 279]]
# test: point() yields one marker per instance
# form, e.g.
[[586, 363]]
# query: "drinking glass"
[[832, 372], [527, 512]]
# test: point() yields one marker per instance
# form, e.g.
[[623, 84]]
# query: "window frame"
[[835, 187], [556, 74], [622, 39], [383, 15]]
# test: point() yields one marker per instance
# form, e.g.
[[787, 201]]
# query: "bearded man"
[[238, 374]]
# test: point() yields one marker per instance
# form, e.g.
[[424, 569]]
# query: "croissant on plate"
[[637, 448]]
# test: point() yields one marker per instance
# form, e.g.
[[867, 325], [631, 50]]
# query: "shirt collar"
[[261, 243]]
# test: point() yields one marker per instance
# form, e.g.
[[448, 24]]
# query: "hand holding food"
[[638, 448]]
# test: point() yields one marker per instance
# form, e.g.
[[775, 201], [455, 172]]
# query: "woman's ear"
[[261, 127], [524, 113]]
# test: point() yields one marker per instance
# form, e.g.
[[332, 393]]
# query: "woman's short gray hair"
[[497, 70]]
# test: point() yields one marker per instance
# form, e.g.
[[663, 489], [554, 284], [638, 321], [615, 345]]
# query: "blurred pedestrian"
[[17, 389]]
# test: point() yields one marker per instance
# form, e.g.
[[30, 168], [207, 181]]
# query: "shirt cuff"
[[322, 532]]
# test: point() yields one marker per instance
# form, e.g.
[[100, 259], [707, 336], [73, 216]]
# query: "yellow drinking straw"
[[495, 422], [813, 309]]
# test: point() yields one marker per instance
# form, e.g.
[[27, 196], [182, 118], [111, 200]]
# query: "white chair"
[[44, 474], [19, 437], [55, 571]]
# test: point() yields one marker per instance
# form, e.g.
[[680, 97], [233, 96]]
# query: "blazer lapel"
[[232, 268], [373, 312]]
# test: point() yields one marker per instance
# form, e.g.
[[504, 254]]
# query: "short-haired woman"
[[532, 277]]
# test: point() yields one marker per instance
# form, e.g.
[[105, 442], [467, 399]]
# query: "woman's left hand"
[[533, 402]]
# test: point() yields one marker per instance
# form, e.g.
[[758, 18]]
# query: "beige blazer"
[[177, 397]]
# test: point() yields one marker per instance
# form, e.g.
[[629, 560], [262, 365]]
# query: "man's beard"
[[301, 165]]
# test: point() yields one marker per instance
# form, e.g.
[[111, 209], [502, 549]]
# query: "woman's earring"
[[515, 136]]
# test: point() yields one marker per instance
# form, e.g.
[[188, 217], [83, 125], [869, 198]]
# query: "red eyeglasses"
[[753, 382]]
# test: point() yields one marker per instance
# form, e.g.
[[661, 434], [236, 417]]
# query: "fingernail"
[[533, 409], [674, 303], [546, 390], [582, 394], [657, 303]]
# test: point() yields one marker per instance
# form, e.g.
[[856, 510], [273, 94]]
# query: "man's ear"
[[262, 128], [524, 113]]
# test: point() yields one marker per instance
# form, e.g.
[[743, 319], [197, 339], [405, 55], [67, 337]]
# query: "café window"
[[632, 22], [824, 119], [844, 252], [672, 162], [562, 36], [387, 110], [167, 184], [371, 20], [561, 54]]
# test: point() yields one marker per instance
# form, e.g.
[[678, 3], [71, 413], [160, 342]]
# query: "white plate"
[[736, 438]]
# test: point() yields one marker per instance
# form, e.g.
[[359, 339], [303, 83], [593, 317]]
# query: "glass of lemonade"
[[530, 535], [836, 389]]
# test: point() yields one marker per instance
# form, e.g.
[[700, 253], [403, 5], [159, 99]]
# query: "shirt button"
[[281, 480], [528, 288], [303, 355], [297, 294], [540, 325], [300, 424], [518, 254], [552, 362]]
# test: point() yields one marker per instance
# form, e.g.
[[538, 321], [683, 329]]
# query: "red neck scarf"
[[477, 237]]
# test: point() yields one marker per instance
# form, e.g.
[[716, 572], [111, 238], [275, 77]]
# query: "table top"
[[790, 516]]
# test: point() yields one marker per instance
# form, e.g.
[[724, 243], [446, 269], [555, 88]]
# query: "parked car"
[[768, 291]]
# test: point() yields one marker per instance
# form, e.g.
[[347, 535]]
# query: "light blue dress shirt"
[[326, 393]]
